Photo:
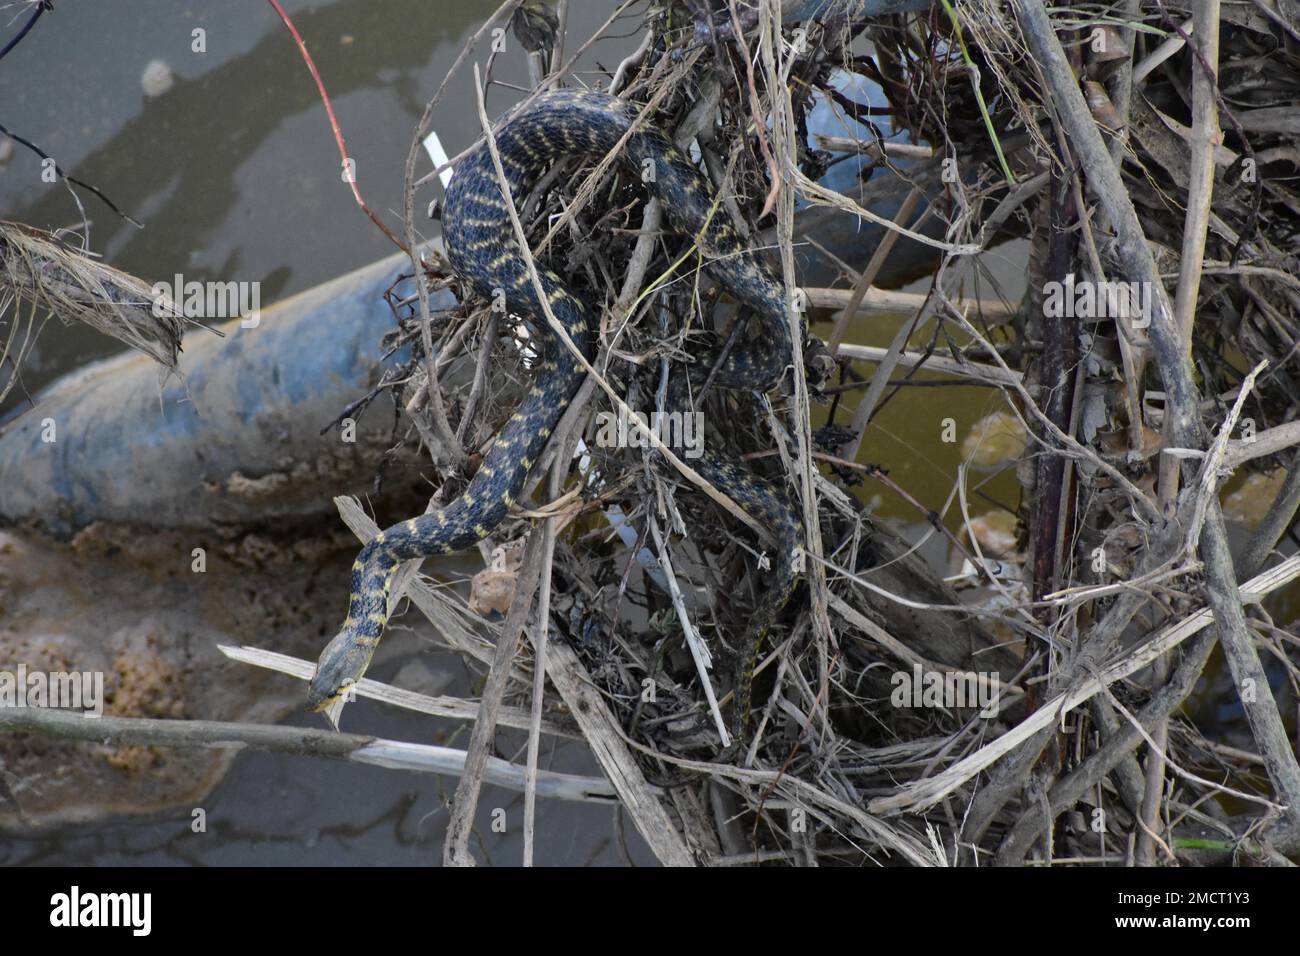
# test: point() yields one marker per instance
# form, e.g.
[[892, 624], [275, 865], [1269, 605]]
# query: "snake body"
[[482, 248]]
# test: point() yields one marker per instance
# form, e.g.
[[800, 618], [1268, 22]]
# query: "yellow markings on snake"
[[482, 248]]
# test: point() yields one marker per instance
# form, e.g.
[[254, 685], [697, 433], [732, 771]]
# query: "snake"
[[482, 248]]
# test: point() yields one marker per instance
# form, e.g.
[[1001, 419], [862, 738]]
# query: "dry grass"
[[1096, 631], [836, 773], [42, 276]]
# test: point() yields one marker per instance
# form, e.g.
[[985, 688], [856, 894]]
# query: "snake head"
[[341, 665]]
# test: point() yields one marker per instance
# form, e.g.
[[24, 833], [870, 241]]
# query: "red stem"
[[334, 125]]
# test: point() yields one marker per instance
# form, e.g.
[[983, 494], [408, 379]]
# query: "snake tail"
[[482, 248]]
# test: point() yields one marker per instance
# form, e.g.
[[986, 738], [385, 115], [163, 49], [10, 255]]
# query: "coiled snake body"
[[482, 248]]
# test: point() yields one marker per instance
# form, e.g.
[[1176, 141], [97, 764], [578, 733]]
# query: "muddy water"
[[909, 435]]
